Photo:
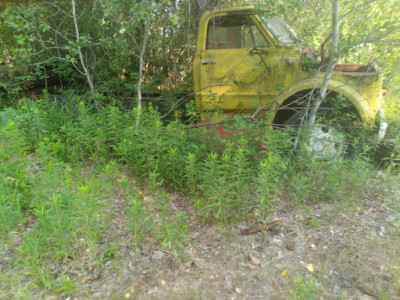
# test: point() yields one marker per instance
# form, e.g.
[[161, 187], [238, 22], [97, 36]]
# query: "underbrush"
[[244, 171], [60, 166], [391, 149]]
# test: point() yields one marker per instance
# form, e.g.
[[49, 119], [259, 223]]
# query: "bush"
[[242, 171]]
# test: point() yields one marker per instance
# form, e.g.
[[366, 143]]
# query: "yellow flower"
[[284, 273]]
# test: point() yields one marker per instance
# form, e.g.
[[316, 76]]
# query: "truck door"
[[232, 67]]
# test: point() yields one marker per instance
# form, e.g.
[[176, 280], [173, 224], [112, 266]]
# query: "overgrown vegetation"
[[98, 50], [61, 163], [87, 182]]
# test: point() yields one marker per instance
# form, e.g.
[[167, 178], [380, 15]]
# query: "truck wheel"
[[323, 141]]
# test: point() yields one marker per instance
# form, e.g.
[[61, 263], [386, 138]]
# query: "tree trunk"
[[141, 64], [333, 59], [83, 64]]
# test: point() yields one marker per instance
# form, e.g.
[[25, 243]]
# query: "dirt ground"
[[350, 251]]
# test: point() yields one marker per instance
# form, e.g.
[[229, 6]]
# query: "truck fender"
[[358, 100]]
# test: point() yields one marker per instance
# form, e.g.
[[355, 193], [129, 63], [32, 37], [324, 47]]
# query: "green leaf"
[[173, 20]]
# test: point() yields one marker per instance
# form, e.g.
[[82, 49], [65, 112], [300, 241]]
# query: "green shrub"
[[219, 171]]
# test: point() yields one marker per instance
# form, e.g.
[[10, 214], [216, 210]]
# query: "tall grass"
[[219, 172], [60, 163]]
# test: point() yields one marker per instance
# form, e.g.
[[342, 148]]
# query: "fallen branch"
[[256, 229]]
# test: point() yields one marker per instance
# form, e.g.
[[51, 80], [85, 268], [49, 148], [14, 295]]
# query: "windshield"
[[279, 28]]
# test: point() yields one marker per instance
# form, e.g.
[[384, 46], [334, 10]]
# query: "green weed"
[[340, 181], [67, 286], [217, 194], [305, 289], [140, 220], [172, 230], [191, 174], [268, 185]]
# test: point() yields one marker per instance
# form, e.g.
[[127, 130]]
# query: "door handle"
[[258, 51], [204, 62]]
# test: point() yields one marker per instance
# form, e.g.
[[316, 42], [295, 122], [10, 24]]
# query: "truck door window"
[[279, 28], [233, 32]]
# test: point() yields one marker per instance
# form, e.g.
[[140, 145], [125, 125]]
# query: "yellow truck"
[[248, 60]]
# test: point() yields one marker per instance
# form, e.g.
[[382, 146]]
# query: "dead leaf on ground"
[[31, 218], [254, 259], [309, 267], [96, 271], [251, 266], [306, 221], [289, 245]]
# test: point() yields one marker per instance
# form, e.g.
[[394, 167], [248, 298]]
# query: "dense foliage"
[[45, 46], [61, 164]]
